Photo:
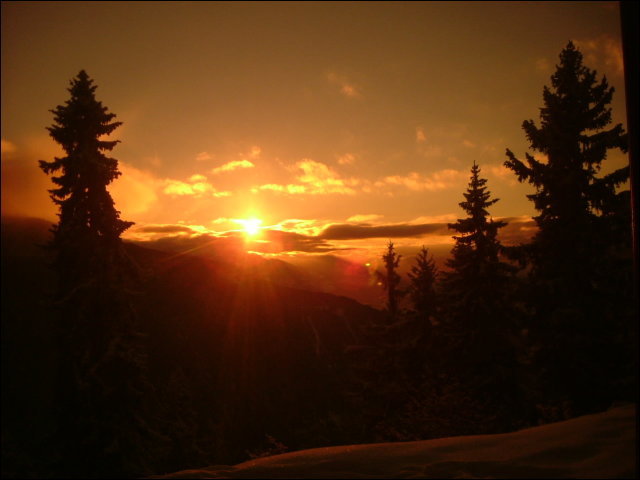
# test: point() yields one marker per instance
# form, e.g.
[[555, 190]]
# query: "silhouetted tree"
[[476, 268], [477, 330], [422, 289], [102, 383], [87, 238], [580, 257], [391, 279]]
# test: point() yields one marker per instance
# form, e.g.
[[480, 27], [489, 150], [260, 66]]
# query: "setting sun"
[[251, 226]]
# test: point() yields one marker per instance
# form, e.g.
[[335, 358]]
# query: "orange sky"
[[339, 125]]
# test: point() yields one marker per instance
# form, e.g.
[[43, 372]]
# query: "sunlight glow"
[[251, 226]]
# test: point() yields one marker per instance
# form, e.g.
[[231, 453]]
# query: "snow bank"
[[593, 446]]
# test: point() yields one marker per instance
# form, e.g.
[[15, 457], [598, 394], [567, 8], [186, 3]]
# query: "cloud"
[[178, 188], [420, 136], [346, 159], [197, 178], [440, 180], [221, 220], [604, 53], [304, 227], [165, 229], [347, 88], [196, 187], [274, 187], [468, 143], [320, 179], [502, 173], [364, 218], [517, 231], [203, 156], [353, 232], [307, 236], [316, 179], [233, 165], [255, 152], [195, 239], [135, 191], [280, 241]]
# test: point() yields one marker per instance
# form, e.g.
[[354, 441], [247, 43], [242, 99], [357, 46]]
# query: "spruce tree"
[[391, 279], [102, 382], [478, 325], [87, 237], [422, 289], [579, 274], [476, 271], [576, 206]]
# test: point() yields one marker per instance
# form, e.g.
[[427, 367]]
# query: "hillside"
[[602, 445], [233, 353]]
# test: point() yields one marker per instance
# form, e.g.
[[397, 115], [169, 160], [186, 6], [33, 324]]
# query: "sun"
[[251, 226]]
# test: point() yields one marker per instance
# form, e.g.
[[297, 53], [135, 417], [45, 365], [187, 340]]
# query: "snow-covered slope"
[[602, 445]]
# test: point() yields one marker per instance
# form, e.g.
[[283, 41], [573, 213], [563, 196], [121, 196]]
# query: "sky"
[[296, 128]]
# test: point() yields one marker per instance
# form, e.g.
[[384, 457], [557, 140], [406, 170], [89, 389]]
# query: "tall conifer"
[[580, 256], [477, 332], [102, 384]]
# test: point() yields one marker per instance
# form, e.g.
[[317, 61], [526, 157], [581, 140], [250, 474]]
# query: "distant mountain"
[[323, 273], [24, 236], [236, 350]]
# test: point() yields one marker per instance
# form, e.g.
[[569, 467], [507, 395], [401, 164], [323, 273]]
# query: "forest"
[[123, 361]]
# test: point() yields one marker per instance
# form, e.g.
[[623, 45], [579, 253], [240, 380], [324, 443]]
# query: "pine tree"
[[579, 274], [476, 269], [102, 382], [476, 337], [87, 238], [391, 279], [422, 289], [575, 205]]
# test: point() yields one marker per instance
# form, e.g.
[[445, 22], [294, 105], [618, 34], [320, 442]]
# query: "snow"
[[601, 445]]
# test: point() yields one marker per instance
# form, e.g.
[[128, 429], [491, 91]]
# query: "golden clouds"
[[196, 187], [233, 165], [320, 179], [134, 192], [316, 179], [274, 187], [364, 218], [415, 181]]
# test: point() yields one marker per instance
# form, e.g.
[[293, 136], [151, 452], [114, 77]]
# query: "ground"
[[601, 445]]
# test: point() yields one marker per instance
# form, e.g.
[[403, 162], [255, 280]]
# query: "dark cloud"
[[278, 241], [517, 231], [354, 232], [165, 229], [233, 242]]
